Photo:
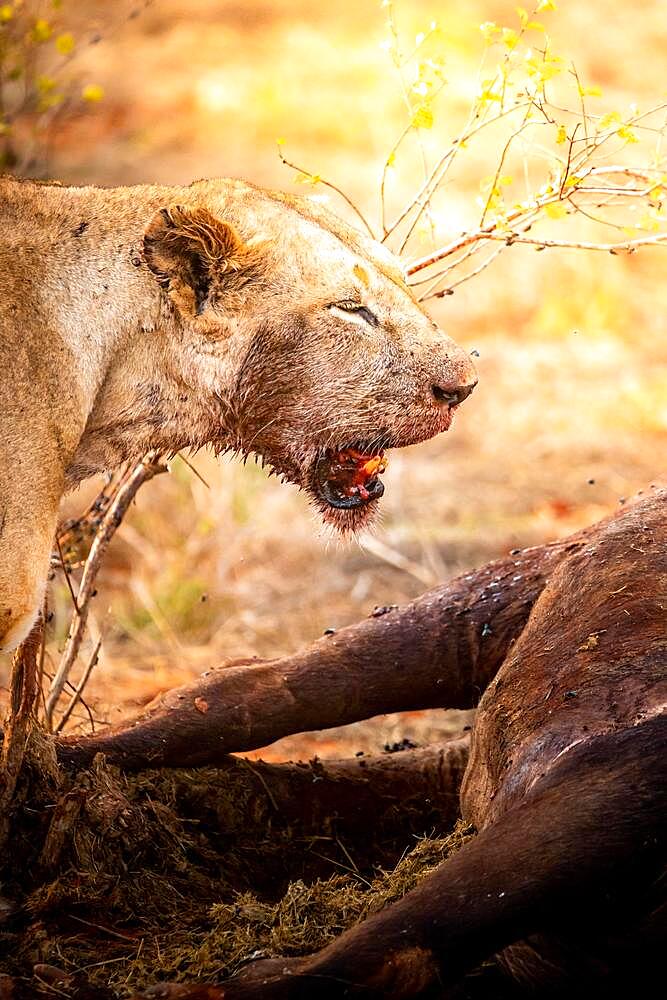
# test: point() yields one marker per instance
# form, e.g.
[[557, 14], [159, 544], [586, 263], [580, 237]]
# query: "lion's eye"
[[356, 309]]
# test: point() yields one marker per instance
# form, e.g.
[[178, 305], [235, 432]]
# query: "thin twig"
[[78, 691], [332, 187], [501, 163], [422, 200], [628, 246], [430, 292], [101, 927], [193, 469], [492, 232], [451, 265], [67, 577], [439, 172], [264, 783], [449, 290], [570, 148], [396, 559]]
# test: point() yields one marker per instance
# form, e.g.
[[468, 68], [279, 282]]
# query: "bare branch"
[[501, 163], [127, 490], [451, 265], [502, 231], [439, 171], [432, 292], [449, 290], [627, 246]]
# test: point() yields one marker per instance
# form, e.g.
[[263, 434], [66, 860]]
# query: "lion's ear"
[[190, 252]]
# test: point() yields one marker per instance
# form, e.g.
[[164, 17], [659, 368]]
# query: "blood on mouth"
[[352, 471]]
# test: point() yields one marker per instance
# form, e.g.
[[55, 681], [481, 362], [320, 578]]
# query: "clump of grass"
[[306, 918]]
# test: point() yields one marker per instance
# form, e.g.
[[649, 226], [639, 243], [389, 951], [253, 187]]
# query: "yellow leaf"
[[556, 210], [523, 16], [546, 5], [510, 38], [65, 43], [561, 135], [45, 84], [488, 93], [6, 12], [48, 96], [93, 93], [423, 117], [42, 30], [649, 223], [543, 68], [611, 118], [625, 132], [592, 91], [489, 29]]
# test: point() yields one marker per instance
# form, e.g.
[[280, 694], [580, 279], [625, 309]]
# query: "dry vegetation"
[[571, 411]]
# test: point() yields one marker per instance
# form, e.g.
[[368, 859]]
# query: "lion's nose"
[[451, 395]]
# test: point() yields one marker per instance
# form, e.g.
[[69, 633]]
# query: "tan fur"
[[164, 318]]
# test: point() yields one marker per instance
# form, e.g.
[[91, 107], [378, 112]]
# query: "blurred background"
[[570, 415]]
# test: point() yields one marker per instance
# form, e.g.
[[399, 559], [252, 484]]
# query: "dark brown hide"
[[567, 781]]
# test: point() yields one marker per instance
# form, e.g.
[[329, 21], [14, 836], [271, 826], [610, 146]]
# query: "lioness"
[[165, 318]]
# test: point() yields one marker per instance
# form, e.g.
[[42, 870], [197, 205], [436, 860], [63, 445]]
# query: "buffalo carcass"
[[566, 782]]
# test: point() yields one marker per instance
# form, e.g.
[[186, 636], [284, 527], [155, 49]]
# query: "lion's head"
[[305, 333]]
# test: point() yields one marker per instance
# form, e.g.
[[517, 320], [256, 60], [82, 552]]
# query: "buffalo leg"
[[440, 650]]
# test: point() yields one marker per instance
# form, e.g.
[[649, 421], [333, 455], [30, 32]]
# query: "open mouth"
[[349, 479]]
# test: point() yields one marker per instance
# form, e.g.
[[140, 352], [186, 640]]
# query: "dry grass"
[[571, 411]]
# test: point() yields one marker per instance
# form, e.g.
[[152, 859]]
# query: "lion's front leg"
[[25, 550], [42, 417], [31, 485]]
